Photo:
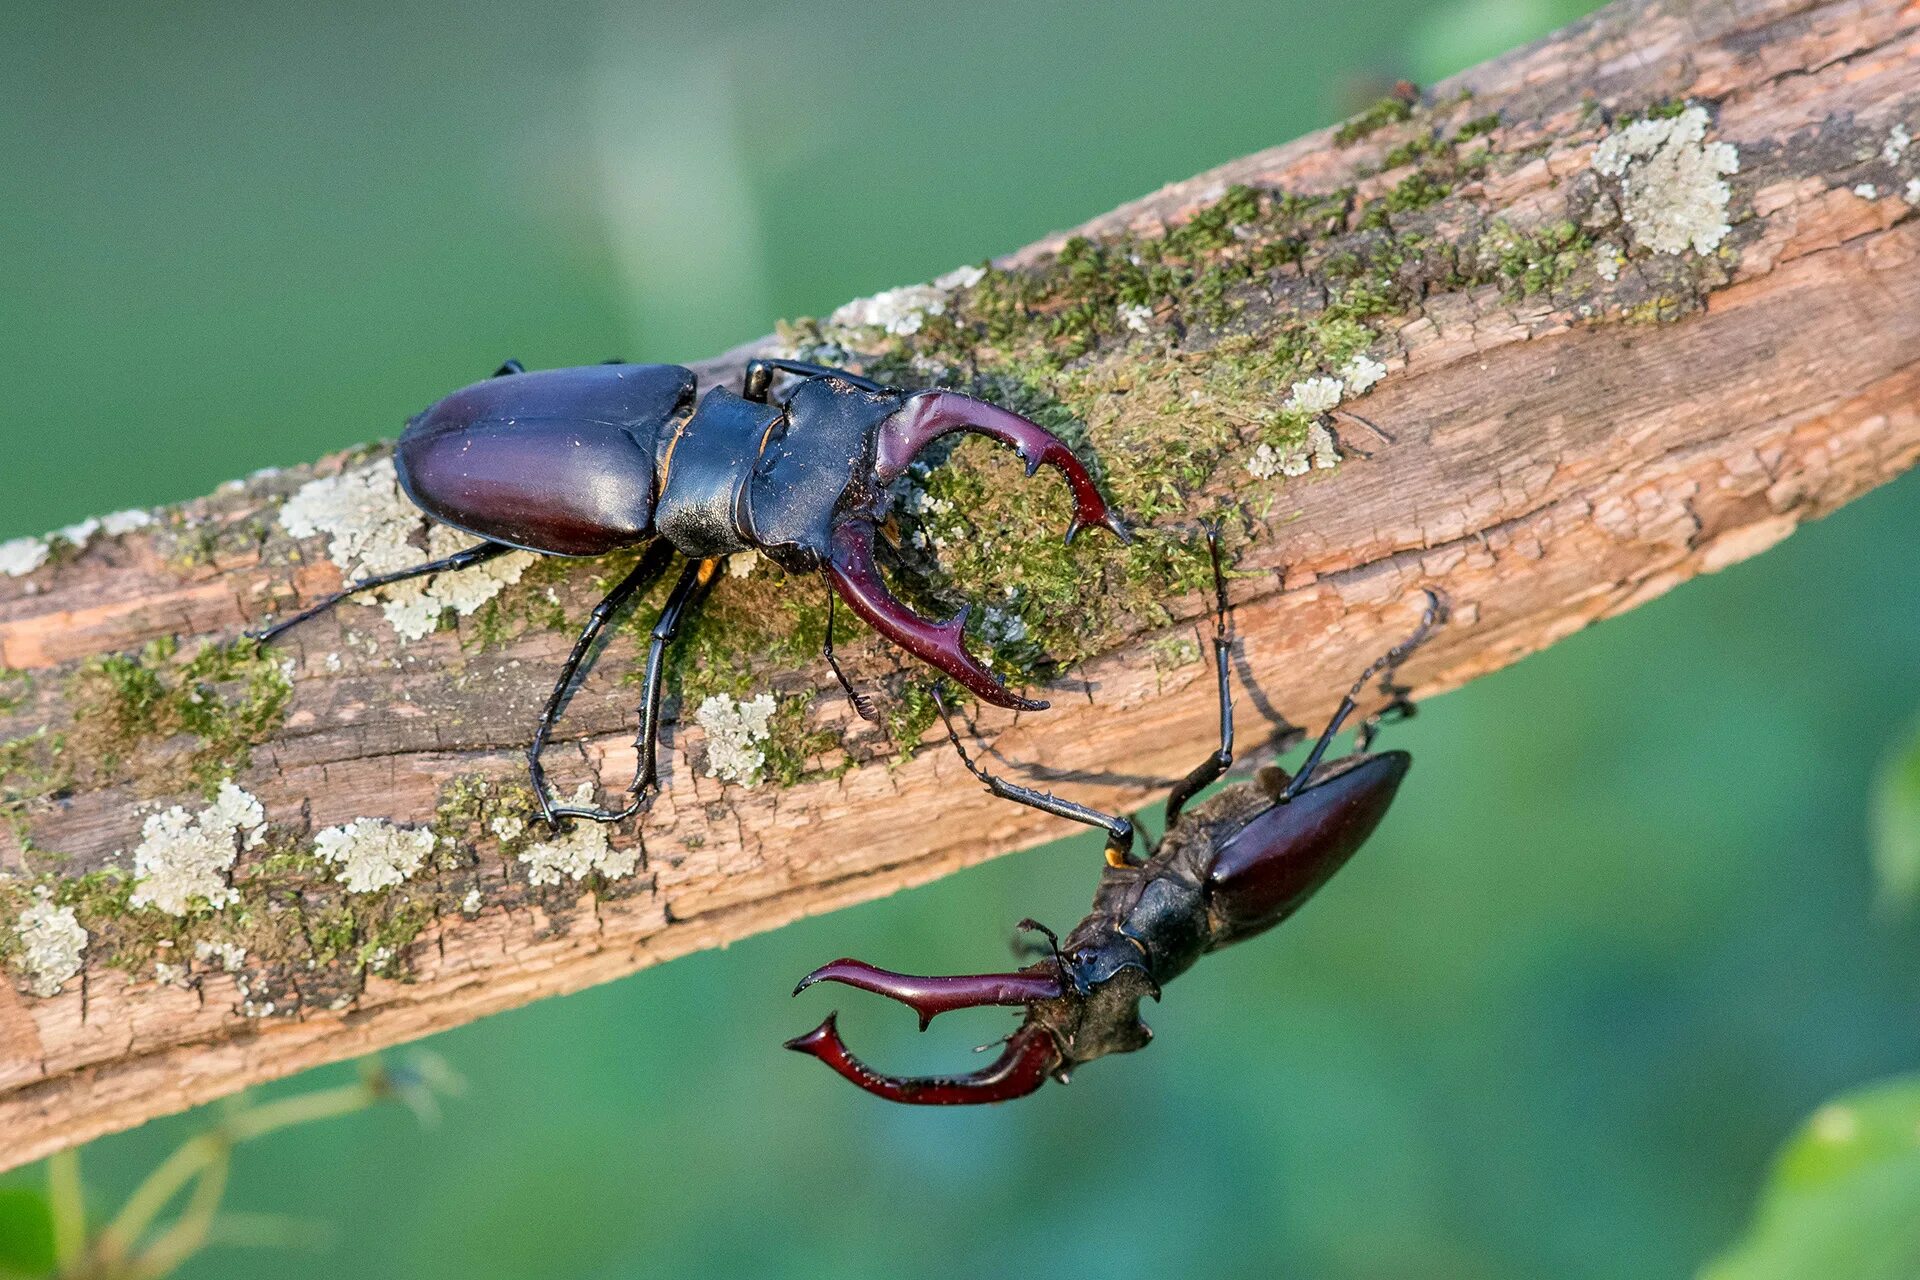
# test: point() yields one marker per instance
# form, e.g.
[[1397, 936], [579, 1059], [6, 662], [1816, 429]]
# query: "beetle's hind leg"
[[653, 563], [1399, 706], [1208, 770], [458, 560]]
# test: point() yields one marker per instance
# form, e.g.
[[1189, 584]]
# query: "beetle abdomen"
[[560, 461]]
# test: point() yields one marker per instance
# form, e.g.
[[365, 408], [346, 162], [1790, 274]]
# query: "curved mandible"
[[850, 567], [1022, 1067], [928, 415], [931, 997]]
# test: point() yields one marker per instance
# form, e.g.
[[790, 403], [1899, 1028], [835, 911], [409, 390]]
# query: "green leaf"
[[26, 1232], [1843, 1198], [1896, 826]]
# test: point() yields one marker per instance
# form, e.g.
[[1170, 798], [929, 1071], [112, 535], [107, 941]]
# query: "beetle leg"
[[1216, 764], [653, 562], [850, 567], [1384, 666], [1119, 830], [1030, 1057], [928, 415], [458, 560], [861, 702], [931, 997], [687, 595]]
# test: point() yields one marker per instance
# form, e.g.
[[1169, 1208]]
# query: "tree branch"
[[1605, 361]]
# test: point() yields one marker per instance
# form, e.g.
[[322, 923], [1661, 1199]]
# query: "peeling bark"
[[1571, 424]]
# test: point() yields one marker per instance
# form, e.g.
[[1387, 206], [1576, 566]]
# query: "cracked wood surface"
[[1545, 470]]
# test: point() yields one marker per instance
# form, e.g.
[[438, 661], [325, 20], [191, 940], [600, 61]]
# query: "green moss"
[[1478, 127], [1538, 261], [228, 696], [32, 767], [791, 745], [909, 718], [1391, 110], [16, 687]]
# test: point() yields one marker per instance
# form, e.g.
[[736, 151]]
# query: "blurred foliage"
[[1896, 824], [1843, 1200], [46, 1233]]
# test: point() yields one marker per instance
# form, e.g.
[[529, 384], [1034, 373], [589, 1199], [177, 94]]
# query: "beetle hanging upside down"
[[1235, 866], [583, 461]]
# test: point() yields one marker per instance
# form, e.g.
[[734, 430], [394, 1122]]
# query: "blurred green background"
[[1617, 940]]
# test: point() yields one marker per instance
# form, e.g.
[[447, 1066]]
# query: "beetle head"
[[807, 505]]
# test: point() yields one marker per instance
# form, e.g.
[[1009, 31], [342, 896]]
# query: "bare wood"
[[1550, 463]]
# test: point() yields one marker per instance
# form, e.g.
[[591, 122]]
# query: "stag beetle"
[[1238, 864], [583, 461]]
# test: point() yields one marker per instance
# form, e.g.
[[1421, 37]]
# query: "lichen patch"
[[372, 528], [577, 854], [1361, 373], [735, 730], [21, 556], [186, 860], [52, 943], [904, 310], [1671, 180], [373, 854], [1898, 140]]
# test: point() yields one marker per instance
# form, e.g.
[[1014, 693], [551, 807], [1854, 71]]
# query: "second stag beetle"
[[584, 461], [1231, 867]]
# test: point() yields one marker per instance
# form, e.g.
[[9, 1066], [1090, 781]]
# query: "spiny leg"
[[861, 703], [1119, 830], [653, 563], [458, 560], [687, 594], [1216, 764], [1384, 666]]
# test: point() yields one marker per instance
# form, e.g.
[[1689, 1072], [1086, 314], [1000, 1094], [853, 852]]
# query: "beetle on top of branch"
[[584, 461]]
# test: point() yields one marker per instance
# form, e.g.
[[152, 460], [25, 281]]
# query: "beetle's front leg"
[[686, 597]]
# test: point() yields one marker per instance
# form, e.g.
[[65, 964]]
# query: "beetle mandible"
[[588, 460], [1234, 866]]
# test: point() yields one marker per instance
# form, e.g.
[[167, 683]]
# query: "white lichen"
[[78, 535], [1315, 396], [1896, 145], [52, 942], [1361, 374], [508, 826], [1137, 317], [118, 522], [471, 904], [229, 956], [1912, 193], [373, 529], [741, 564], [1606, 263], [581, 851], [185, 860], [1866, 191], [372, 853], [902, 311], [1317, 451], [21, 556], [734, 731], [1671, 182]]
